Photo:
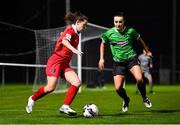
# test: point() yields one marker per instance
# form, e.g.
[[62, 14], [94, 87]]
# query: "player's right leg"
[[118, 82], [119, 72], [51, 85]]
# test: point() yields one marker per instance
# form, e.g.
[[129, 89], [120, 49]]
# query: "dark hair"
[[71, 18], [119, 14]]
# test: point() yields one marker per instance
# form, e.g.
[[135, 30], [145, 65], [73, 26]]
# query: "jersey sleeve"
[[104, 37], [67, 34], [135, 35]]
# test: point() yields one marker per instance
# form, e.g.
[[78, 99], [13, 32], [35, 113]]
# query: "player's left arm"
[[146, 48]]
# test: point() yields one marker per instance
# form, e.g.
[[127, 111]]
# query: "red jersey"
[[72, 36]]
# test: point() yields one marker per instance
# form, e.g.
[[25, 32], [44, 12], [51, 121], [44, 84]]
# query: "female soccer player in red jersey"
[[58, 63]]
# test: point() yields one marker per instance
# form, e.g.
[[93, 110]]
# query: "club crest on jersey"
[[120, 43], [53, 70]]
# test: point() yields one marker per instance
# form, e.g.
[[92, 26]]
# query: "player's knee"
[[118, 87], [139, 81], [77, 84]]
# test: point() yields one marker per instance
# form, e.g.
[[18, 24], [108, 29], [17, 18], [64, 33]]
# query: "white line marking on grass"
[[14, 110]]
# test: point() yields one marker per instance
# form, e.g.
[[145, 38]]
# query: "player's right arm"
[[104, 39], [66, 43], [66, 39], [101, 61]]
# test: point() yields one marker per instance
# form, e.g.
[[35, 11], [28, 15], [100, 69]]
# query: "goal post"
[[79, 62]]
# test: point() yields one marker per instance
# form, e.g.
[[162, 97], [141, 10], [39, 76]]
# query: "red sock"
[[71, 93], [40, 93]]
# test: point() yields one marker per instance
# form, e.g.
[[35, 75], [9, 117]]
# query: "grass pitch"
[[165, 110]]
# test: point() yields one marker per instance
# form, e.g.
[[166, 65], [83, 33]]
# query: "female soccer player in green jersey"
[[125, 58]]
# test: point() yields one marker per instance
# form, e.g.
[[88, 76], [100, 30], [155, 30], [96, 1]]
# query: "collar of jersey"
[[121, 30], [74, 28]]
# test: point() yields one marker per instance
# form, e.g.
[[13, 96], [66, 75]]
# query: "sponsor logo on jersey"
[[114, 36], [120, 43]]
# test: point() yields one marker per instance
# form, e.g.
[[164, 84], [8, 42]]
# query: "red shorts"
[[57, 66]]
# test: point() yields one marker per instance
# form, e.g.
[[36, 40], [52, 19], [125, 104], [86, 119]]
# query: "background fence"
[[161, 72]]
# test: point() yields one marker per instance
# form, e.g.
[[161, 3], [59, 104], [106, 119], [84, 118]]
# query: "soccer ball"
[[90, 110]]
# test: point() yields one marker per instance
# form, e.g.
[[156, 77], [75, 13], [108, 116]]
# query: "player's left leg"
[[42, 91], [72, 78], [137, 73]]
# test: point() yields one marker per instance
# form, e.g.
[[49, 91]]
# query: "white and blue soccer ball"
[[90, 110]]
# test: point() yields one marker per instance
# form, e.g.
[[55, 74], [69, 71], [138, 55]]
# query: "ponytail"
[[72, 18]]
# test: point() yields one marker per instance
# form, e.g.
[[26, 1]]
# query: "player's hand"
[[77, 52], [149, 54], [61, 33], [80, 53], [101, 64]]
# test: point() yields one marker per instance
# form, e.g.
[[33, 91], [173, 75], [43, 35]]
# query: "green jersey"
[[121, 42]]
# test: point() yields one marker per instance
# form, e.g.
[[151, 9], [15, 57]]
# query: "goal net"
[[86, 66]]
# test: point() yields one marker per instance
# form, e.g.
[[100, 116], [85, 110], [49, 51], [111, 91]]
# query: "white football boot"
[[30, 105], [67, 110], [147, 103], [125, 105]]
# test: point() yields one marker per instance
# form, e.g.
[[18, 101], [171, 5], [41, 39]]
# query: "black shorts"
[[121, 68]]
